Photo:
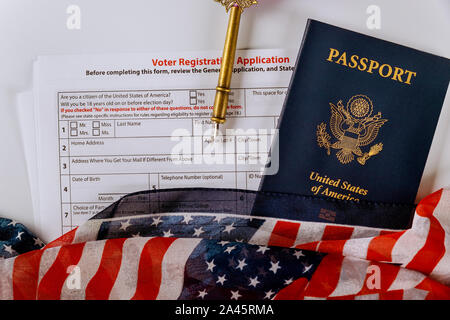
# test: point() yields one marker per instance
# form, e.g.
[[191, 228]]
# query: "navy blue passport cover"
[[358, 123]]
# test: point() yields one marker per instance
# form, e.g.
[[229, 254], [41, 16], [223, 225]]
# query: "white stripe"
[[125, 284], [6, 284], [364, 232], [88, 266], [48, 258], [351, 280], [441, 212], [173, 264], [414, 294], [314, 298], [262, 235], [406, 279], [356, 248], [88, 231], [441, 271], [374, 296], [309, 232], [409, 243]]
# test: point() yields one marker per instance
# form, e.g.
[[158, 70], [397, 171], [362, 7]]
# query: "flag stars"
[[218, 218], [19, 235], [38, 242], [254, 282], [298, 254], [167, 234], [13, 223], [156, 221], [269, 294], [198, 232], [202, 294], [262, 249], [211, 265], [8, 249], [229, 249], [221, 279], [288, 281], [187, 219], [235, 295], [307, 268], [241, 264], [229, 228], [124, 225], [137, 235], [274, 267], [223, 243]]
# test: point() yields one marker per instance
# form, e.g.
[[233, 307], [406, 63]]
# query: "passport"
[[356, 127]]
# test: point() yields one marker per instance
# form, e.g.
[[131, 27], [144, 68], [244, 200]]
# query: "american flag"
[[141, 249]]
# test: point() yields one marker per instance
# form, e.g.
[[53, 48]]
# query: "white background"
[[38, 27]]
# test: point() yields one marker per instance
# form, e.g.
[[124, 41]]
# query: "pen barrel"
[[226, 69]]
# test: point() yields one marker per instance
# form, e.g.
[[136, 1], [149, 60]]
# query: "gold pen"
[[235, 7]]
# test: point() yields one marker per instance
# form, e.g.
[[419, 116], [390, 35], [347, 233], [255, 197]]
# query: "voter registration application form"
[[109, 125]]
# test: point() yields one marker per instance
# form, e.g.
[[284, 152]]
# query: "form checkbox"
[[73, 125], [74, 132], [96, 132], [192, 94], [193, 101], [96, 124]]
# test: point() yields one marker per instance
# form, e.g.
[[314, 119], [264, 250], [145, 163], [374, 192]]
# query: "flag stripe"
[[380, 248], [172, 275], [25, 275], [294, 291], [284, 234], [334, 239], [309, 232], [149, 273], [102, 282], [125, 285], [87, 267], [352, 276], [326, 277], [51, 284], [433, 250], [6, 279], [65, 239], [262, 235], [392, 295]]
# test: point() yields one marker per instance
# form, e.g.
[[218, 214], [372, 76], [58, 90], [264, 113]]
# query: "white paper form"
[[25, 112], [114, 124]]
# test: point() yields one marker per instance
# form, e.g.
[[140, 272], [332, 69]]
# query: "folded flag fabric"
[[205, 244]]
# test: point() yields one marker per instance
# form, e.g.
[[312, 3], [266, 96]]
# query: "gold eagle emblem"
[[240, 3], [353, 127]]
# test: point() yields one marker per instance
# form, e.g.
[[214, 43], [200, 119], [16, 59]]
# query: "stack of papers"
[[97, 127]]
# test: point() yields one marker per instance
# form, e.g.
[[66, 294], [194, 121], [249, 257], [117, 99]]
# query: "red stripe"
[[426, 207], [311, 246], [26, 274], [334, 239], [102, 282], [437, 291], [392, 295], [65, 239], [337, 233], [432, 252], [284, 234], [51, 284], [380, 247], [149, 273], [294, 291], [326, 277]]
